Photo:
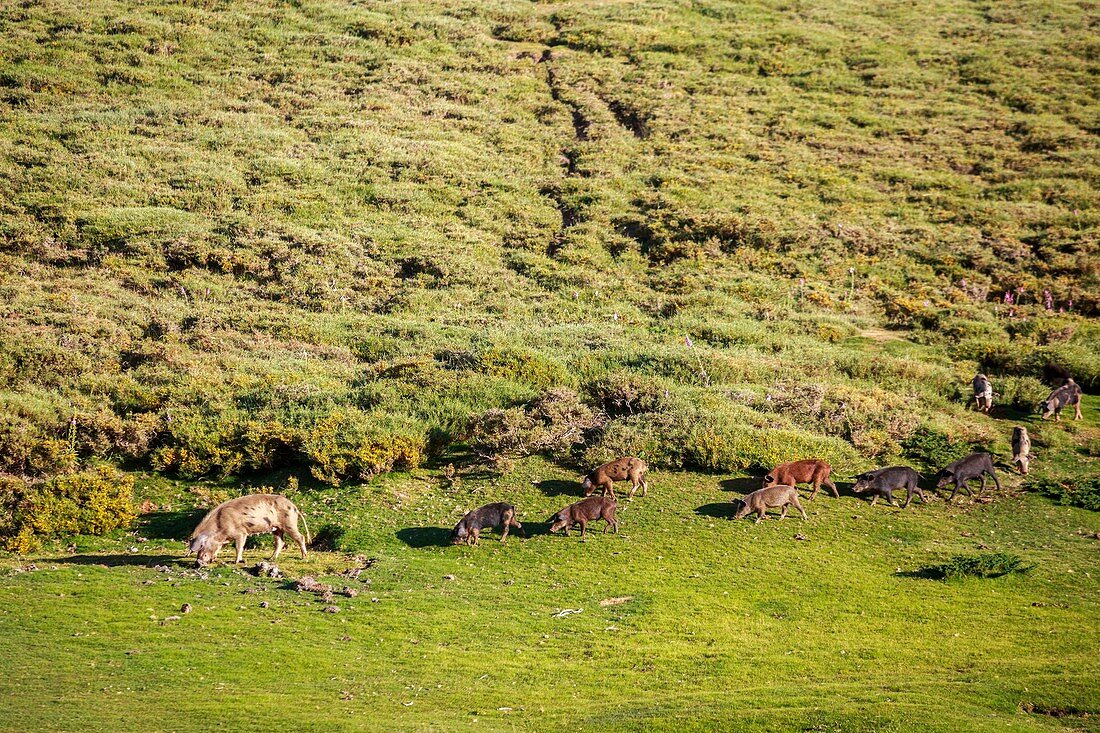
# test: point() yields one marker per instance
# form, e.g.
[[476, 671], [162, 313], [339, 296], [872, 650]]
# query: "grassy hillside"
[[239, 236]]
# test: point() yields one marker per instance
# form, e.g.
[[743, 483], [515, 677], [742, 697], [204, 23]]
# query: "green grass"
[[728, 625]]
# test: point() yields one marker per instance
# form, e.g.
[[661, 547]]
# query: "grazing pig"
[[1021, 448], [499, 514], [983, 393], [885, 480], [1068, 394], [238, 518], [620, 469], [761, 500], [975, 465], [585, 511], [802, 472]]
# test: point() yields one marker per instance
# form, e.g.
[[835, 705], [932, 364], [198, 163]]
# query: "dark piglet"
[[500, 514], [975, 465], [884, 481], [585, 511]]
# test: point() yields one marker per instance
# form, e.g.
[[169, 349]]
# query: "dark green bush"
[[1083, 493], [933, 449], [982, 565]]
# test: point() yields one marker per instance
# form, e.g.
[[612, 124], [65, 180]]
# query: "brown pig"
[[585, 511], [238, 518], [620, 469], [802, 472]]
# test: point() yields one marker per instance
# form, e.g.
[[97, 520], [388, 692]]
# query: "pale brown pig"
[[238, 518]]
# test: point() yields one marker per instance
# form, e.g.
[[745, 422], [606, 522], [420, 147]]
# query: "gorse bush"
[[94, 501]]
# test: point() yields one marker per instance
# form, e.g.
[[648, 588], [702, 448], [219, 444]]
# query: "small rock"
[[566, 612], [801, 536], [185, 608], [332, 609], [350, 592], [170, 618], [264, 604], [162, 568], [327, 596], [448, 577]]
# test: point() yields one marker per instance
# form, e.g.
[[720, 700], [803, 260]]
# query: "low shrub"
[[1020, 393], [554, 423], [94, 501], [354, 445], [622, 393], [982, 565], [710, 443], [933, 448], [1083, 492]]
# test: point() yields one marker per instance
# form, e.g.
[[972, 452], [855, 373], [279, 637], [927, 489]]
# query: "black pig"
[[975, 465], [884, 481]]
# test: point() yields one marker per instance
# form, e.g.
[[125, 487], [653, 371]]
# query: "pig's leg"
[[908, 497], [519, 528], [995, 481], [874, 498], [952, 497], [240, 547], [920, 493], [817, 487], [981, 489], [1077, 409], [609, 488], [832, 487], [584, 527], [890, 497], [504, 534], [300, 540], [475, 535], [798, 506], [645, 486], [783, 512], [278, 534], [759, 515]]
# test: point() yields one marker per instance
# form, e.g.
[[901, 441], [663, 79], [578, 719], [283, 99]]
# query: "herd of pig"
[[235, 520]]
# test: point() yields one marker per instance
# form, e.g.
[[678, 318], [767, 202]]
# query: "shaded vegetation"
[[982, 565]]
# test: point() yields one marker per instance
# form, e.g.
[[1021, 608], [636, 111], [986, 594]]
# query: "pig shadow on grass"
[[741, 485], [169, 525], [557, 487], [718, 510], [425, 536], [114, 561]]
